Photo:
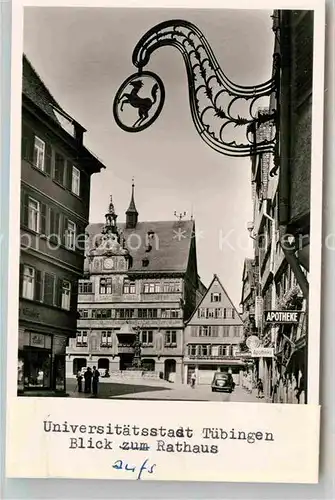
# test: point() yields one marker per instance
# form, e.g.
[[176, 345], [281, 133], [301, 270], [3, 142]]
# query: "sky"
[[84, 54]]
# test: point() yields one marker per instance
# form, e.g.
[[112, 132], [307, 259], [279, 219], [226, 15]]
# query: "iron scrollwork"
[[212, 95]]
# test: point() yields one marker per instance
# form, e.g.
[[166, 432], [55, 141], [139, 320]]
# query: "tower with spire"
[[110, 220], [132, 213]]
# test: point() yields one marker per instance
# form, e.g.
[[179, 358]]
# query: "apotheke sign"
[[286, 317]]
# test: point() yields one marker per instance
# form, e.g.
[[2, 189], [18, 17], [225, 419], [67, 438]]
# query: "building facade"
[[55, 189], [141, 286], [281, 219], [212, 337]]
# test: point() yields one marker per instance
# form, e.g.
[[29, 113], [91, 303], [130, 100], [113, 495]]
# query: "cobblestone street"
[[162, 390]]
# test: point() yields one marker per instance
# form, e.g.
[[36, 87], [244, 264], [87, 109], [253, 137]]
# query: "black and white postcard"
[[166, 193]]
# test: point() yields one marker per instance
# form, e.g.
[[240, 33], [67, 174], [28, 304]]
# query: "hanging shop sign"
[[282, 317], [252, 342], [262, 352]]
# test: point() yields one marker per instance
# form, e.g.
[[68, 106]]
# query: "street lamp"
[[214, 99]]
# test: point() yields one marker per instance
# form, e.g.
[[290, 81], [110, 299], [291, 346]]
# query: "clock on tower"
[[108, 264]]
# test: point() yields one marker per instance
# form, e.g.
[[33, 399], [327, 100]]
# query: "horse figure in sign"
[[143, 104]]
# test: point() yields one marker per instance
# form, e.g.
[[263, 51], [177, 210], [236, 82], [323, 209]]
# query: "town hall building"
[[141, 286]]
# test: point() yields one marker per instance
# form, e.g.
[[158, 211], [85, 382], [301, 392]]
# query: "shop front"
[[41, 362]]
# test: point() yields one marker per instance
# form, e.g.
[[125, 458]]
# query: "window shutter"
[[193, 331], [85, 187], [27, 143], [43, 223], [59, 288], [38, 285], [57, 223], [21, 279], [74, 295], [24, 206], [48, 159], [51, 221], [68, 182], [64, 229]]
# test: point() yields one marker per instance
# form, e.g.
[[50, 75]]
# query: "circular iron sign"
[[253, 342], [139, 101]]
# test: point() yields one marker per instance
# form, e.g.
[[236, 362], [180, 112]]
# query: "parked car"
[[222, 382]]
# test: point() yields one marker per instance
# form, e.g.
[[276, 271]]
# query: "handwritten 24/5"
[[122, 465]]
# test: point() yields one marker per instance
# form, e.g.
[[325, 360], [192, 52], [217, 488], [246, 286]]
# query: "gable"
[[216, 308]]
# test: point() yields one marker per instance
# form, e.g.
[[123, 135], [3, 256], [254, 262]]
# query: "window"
[[170, 337], [75, 186], [192, 350], [70, 241], [205, 331], [215, 331], [102, 313], [147, 313], [205, 350], [59, 168], [28, 287], [83, 313], [151, 288], [224, 350], [33, 214], [201, 312], [173, 287], [215, 297], [147, 336], [236, 331], [218, 312], [128, 286], [106, 338], [66, 295], [106, 286], [49, 289], [170, 313], [210, 313], [125, 313], [82, 339], [226, 331], [85, 287], [39, 153]]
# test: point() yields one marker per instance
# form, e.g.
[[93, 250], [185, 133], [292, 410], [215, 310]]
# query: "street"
[[161, 390]]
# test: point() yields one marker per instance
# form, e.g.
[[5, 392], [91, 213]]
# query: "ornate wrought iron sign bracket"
[[215, 101]]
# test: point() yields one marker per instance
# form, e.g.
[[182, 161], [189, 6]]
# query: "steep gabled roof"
[[249, 273], [216, 283], [170, 244], [35, 89]]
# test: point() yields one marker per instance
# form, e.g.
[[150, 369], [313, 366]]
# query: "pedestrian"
[[79, 381], [95, 381], [193, 379], [88, 380], [260, 393]]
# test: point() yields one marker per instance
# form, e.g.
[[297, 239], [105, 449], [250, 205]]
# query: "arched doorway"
[[170, 370], [103, 366], [148, 365], [78, 365]]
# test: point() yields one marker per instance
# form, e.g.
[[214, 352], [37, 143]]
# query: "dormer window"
[[215, 297]]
